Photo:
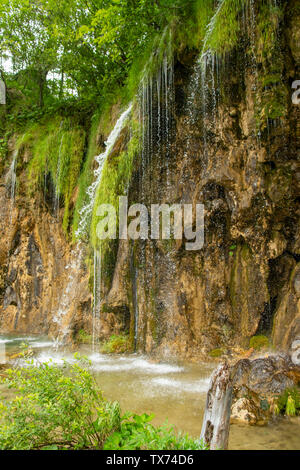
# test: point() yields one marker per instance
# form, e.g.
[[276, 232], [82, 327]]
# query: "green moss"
[[116, 344], [115, 178], [114, 182], [57, 149], [272, 95], [224, 28], [259, 342], [218, 352], [86, 176]]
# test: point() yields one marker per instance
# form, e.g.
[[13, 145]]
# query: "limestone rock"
[[245, 411]]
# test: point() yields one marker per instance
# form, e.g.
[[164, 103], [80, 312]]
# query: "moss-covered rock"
[[259, 342]]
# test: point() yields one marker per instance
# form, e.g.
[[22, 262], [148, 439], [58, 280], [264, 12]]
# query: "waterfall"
[[97, 297], [11, 181], [69, 293], [156, 109], [86, 211], [85, 216], [156, 99]]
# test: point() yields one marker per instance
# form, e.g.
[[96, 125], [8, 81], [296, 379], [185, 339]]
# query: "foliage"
[[57, 147], [272, 94], [222, 32], [289, 402], [116, 344], [86, 175], [83, 337], [137, 433], [56, 407], [60, 407], [115, 178], [87, 46], [259, 342]]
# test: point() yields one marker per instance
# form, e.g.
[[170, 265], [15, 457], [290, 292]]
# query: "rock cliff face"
[[44, 284], [245, 279], [219, 149]]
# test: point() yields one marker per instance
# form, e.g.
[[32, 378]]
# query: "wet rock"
[[245, 411], [247, 275], [286, 326], [257, 383], [297, 283], [269, 375], [10, 297]]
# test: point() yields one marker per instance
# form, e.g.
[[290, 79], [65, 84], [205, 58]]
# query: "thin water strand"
[[86, 211]]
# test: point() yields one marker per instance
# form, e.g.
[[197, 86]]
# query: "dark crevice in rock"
[[15, 242], [266, 321], [279, 274]]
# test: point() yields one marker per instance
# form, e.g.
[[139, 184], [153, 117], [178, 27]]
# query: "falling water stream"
[[97, 297], [86, 211], [68, 294], [85, 216]]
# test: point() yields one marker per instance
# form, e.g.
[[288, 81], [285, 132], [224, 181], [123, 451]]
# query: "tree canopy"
[[80, 47]]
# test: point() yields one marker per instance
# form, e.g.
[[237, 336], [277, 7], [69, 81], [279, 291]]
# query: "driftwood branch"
[[216, 421]]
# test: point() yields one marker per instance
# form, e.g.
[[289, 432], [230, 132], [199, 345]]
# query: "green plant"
[[116, 174], [232, 248], [83, 337], [289, 402], [222, 32], [56, 407], [116, 344], [137, 433], [86, 175], [259, 342], [57, 148]]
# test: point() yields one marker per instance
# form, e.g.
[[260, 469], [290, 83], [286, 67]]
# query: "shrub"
[[83, 337], [259, 342], [137, 433], [60, 407], [289, 402], [116, 344]]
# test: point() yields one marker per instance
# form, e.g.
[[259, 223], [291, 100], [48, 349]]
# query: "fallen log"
[[216, 421]]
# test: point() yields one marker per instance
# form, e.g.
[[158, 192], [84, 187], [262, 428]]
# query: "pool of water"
[[171, 391]]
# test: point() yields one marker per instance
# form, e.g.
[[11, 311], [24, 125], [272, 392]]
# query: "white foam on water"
[[42, 344], [46, 357], [199, 386], [4, 341], [96, 358], [12, 340], [139, 365]]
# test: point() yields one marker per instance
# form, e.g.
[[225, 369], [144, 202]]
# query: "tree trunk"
[[216, 421], [61, 85], [2, 77]]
